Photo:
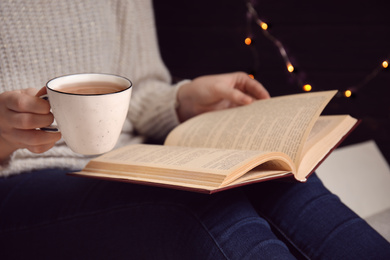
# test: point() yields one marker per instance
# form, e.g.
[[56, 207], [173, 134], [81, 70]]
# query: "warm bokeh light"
[[385, 64], [251, 76], [263, 26], [348, 93], [248, 41], [307, 87], [290, 67]]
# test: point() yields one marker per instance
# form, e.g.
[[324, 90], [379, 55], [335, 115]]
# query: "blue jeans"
[[49, 215]]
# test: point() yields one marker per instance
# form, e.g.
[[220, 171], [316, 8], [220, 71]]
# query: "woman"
[[46, 214]]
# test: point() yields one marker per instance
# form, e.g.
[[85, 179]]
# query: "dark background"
[[332, 45]]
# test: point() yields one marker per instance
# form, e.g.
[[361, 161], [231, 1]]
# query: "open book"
[[268, 139]]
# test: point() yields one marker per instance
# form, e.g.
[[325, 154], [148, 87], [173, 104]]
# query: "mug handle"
[[53, 127]]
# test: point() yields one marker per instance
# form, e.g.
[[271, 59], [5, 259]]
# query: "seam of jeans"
[[284, 235], [195, 216], [244, 220], [306, 206]]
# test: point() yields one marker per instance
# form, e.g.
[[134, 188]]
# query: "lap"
[[50, 213]]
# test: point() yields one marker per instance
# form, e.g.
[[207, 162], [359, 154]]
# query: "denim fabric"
[[314, 222], [49, 215]]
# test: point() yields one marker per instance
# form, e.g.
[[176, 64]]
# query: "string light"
[[248, 41], [372, 75], [252, 13], [276, 42], [263, 25], [290, 67], [307, 87], [348, 93]]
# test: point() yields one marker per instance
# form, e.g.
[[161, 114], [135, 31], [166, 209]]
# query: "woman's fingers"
[[32, 139], [23, 102], [28, 120]]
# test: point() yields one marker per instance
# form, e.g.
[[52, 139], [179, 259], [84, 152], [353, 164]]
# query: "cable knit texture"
[[43, 39]]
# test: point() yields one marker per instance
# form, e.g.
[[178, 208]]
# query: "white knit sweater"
[[43, 39]]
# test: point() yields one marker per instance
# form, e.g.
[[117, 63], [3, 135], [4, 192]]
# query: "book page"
[[327, 132], [278, 124], [184, 158], [182, 164], [322, 127]]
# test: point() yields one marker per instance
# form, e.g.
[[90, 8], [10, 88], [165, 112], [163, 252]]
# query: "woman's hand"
[[216, 92], [21, 113]]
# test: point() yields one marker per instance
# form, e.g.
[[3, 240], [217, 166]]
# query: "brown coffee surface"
[[90, 88]]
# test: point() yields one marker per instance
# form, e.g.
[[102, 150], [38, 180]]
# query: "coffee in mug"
[[90, 88]]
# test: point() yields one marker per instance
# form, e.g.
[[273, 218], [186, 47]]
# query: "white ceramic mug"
[[90, 109]]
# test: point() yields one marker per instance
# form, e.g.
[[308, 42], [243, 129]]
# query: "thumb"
[[41, 92]]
